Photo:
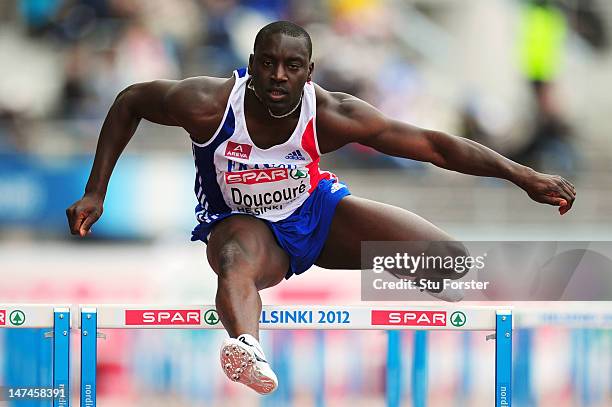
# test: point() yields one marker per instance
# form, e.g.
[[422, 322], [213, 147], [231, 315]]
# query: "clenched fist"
[[84, 213], [550, 189]]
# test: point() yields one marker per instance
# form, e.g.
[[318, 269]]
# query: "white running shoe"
[[243, 361]]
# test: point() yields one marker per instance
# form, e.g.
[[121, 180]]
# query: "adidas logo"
[[295, 155]]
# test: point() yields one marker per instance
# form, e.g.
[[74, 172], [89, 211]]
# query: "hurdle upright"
[[315, 317], [57, 318]]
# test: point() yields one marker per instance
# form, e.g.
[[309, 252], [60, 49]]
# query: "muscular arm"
[[192, 104], [344, 119], [143, 100]]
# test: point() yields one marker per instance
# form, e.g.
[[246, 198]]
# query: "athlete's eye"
[[267, 63]]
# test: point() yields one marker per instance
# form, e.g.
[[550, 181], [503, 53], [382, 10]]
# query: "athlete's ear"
[[310, 71], [250, 68]]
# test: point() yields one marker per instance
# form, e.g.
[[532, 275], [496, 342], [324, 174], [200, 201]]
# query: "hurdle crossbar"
[[315, 317], [58, 319], [142, 316]]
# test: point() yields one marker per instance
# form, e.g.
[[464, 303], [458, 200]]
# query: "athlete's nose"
[[279, 74]]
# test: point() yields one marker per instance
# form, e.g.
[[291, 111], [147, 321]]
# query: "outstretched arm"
[[144, 100], [171, 103], [139, 101], [350, 119]]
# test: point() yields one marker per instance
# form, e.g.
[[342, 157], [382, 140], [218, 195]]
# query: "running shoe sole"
[[240, 365]]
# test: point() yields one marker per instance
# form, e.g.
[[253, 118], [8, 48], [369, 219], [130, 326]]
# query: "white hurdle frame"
[[55, 317], [315, 317]]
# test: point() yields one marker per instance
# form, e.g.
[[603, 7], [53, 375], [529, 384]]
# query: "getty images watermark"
[[482, 271], [418, 267]]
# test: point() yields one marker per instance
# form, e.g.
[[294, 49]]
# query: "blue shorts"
[[303, 234]]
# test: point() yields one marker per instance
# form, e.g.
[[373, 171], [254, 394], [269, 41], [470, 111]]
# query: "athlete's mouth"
[[277, 94]]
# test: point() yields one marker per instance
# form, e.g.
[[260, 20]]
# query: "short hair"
[[283, 27]]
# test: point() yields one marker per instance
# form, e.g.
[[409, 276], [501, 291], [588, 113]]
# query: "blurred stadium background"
[[530, 79]]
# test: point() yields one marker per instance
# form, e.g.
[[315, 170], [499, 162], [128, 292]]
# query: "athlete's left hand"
[[550, 189]]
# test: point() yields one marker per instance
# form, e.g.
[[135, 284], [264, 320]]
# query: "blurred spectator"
[[38, 15], [94, 48], [75, 91], [586, 19], [11, 131], [277, 9], [218, 54], [541, 45]]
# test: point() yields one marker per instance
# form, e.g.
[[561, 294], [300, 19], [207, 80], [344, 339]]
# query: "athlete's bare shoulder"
[[329, 103], [343, 118], [198, 104]]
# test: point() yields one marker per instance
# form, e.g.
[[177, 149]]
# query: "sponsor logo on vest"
[[256, 176], [238, 166], [2, 317], [298, 174], [295, 155], [409, 318], [238, 150], [267, 198], [163, 317]]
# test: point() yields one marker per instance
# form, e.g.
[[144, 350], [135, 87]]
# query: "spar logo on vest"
[[256, 191], [250, 177], [238, 150]]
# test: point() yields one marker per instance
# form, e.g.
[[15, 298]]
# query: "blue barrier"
[[419, 369], [33, 360], [503, 360], [394, 368], [89, 353]]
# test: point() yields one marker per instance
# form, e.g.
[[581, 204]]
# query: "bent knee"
[[236, 239], [236, 253], [228, 257], [231, 262], [244, 247]]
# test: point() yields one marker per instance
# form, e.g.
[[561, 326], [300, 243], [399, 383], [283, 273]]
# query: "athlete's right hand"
[[84, 213]]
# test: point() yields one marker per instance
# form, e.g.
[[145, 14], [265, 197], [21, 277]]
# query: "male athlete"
[[265, 209]]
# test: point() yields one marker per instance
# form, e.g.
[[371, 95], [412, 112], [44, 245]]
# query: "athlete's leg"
[[243, 252], [357, 219]]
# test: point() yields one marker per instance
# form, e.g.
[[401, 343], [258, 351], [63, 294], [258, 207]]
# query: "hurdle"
[[57, 318], [580, 317], [273, 317]]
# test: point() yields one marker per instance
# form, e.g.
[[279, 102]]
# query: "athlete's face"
[[280, 67]]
